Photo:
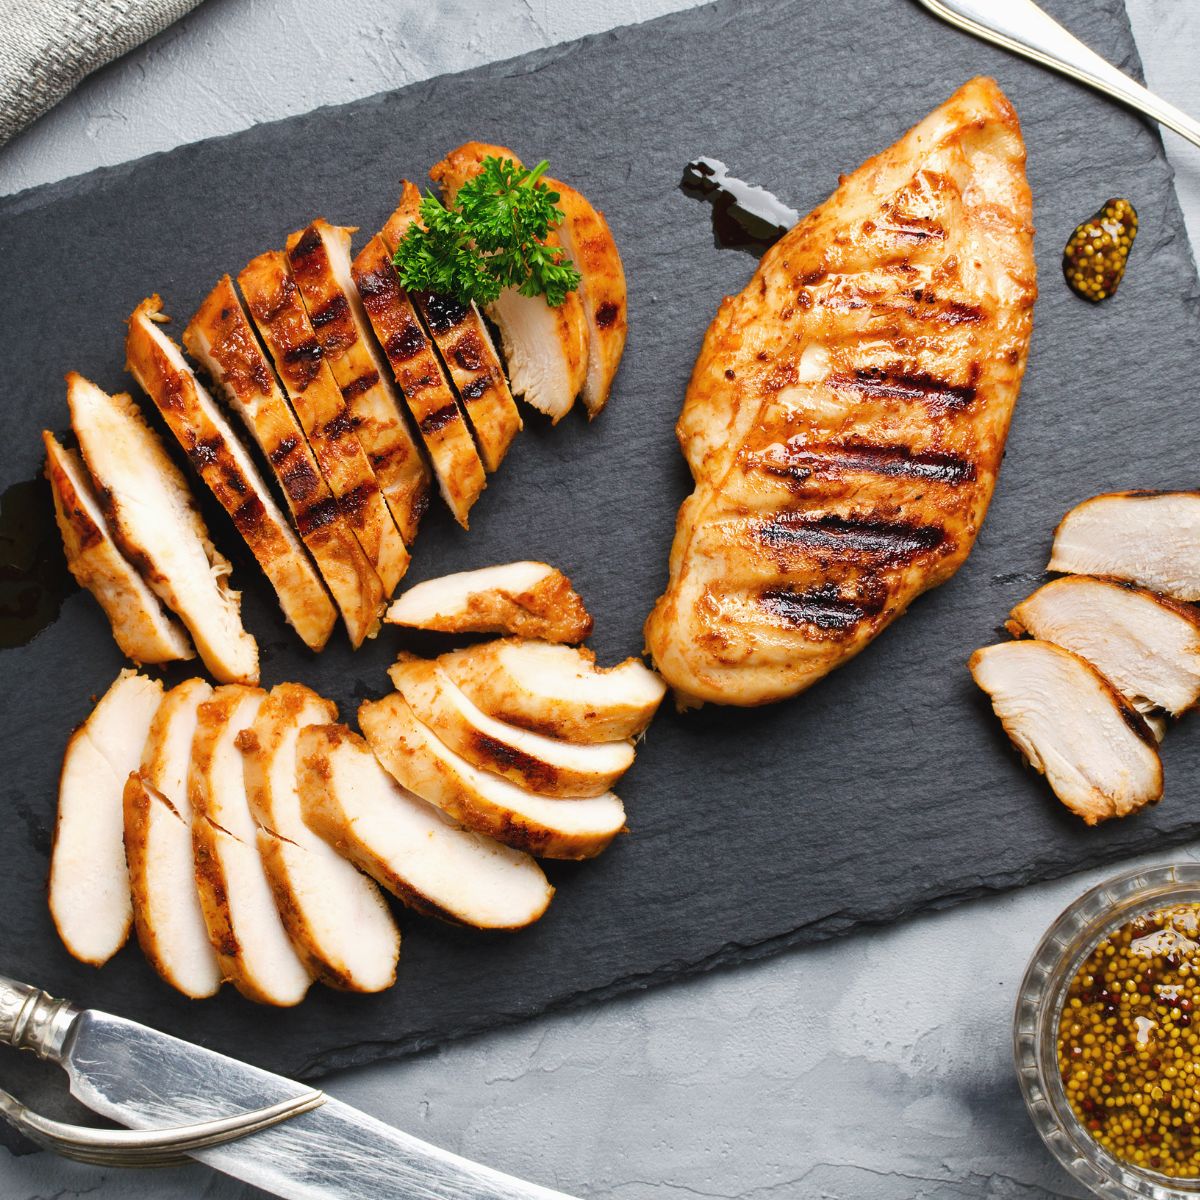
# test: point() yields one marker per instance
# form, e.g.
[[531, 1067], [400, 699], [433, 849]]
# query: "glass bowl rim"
[[1063, 947]]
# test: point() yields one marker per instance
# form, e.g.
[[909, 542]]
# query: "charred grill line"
[[823, 607], [937, 394], [801, 463], [891, 542]]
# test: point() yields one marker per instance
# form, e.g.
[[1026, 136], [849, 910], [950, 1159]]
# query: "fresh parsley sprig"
[[494, 237]]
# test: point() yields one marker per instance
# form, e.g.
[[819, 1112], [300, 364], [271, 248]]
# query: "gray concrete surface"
[[876, 1067]]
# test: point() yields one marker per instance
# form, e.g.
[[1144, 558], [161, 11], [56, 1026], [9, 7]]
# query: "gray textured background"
[[876, 1067]]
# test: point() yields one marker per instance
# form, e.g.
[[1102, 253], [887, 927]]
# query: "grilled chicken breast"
[[221, 338], [221, 460], [158, 848], [89, 884], [546, 348], [847, 414], [319, 256], [586, 237], [414, 363], [525, 599], [275, 304], [143, 629], [158, 528], [465, 347], [337, 920]]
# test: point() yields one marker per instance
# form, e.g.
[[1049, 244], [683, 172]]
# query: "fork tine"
[[151, 1147]]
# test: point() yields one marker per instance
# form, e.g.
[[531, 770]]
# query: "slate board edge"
[[710, 16], [848, 922]]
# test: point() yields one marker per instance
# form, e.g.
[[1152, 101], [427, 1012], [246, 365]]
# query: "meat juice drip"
[[34, 579], [744, 216]]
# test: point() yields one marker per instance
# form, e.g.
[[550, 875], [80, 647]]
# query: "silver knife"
[[1022, 27], [147, 1080]]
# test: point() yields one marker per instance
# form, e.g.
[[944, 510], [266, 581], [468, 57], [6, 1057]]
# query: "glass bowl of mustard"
[[1106, 1050]]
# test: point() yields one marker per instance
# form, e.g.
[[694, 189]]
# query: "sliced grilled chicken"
[[142, 628], [158, 528], [89, 882], [158, 848], [526, 599], [418, 760], [586, 237], [847, 414], [546, 348], [408, 845], [319, 256], [1073, 726], [225, 466], [1148, 647], [1148, 538], [244, 925], [557, 690], [544, 765], [221, 338], [465, 347], [278, 311], [440, 422], [338, 921]]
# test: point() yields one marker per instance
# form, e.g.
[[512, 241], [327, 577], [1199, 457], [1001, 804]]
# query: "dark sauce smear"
[[34, 579], [744, 216]]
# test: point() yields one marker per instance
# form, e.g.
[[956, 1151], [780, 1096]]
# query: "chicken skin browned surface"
[[847, 414]]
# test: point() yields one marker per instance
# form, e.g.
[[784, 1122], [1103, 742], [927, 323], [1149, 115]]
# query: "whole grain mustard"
[[1128, 1049], [1096, 252]]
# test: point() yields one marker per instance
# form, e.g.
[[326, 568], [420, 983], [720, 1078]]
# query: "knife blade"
[[147, 1080]]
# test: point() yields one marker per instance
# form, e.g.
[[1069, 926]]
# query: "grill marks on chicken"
[[221, 338], [456, 462], [319, 256], [223, 463], [278, 311], [465, 347], [848, 411]]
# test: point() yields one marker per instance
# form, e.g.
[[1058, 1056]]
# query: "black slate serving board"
[[886, 789]]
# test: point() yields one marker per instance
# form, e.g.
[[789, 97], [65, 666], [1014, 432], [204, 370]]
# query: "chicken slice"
[[338, 921], [557, 690], [543, 825], [456, 463], [278, 311], [221, 338], [1147, 646], [1148, 538], [546, 348], [158, 528], [158, 848], [244, 925], [319, 256], [1074, 727], [409, 846], [526, 599], [142, 628], [545, 765], [587, 238], [465, 347], [225, 466], [89, 883]]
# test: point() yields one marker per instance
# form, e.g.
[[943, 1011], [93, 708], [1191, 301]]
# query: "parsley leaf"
[[494, 237]]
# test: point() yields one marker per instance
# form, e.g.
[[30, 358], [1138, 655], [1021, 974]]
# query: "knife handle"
[[1021, 26], [32, 1020]]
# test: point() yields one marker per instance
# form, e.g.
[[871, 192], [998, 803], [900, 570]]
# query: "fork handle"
[[1024, 28], [32, 1020]]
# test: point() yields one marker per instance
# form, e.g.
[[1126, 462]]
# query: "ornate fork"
[[32, 1020], [1021, 26]]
